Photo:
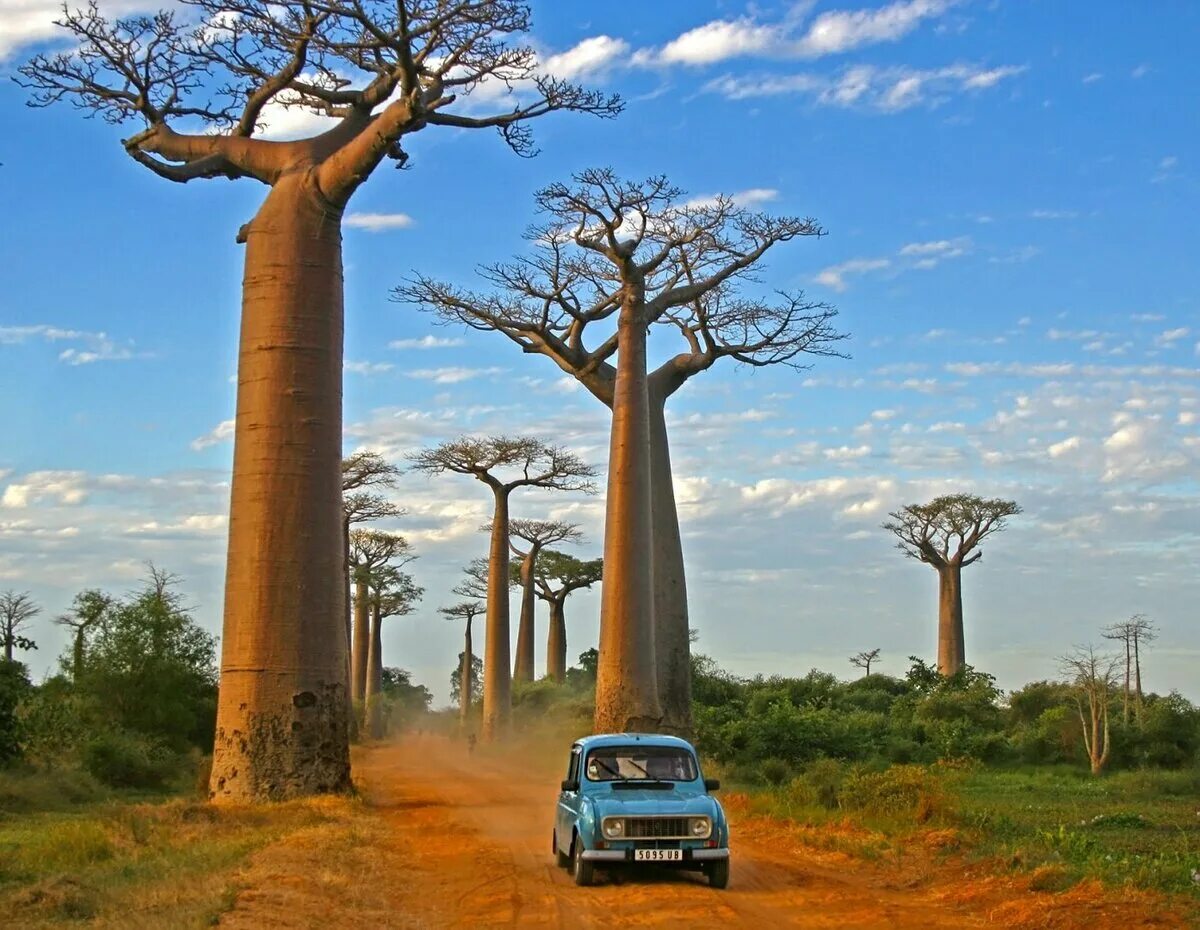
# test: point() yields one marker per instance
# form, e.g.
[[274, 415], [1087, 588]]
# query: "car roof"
[[625, 739]]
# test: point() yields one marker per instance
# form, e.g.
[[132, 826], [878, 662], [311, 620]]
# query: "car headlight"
[[614, 828], [701, 827]]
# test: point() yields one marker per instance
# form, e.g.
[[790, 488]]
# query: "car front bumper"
[[626, 855]]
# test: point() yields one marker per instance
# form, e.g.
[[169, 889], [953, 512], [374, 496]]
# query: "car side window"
[[573, 766]]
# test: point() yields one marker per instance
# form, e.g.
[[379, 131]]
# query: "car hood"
[[631, 802]]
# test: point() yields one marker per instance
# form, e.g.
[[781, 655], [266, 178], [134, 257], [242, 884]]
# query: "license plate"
[[658, 855]]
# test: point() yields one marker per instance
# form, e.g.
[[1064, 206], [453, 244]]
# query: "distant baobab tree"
[[16, 610], [504, 463], [1132, 634], [393, 594], [945, 534], [1094, 677], [557, 575], [197, 81], [88, 612], [465, 611], [629, 256], [864, 659], [536, 534], [370, 552]]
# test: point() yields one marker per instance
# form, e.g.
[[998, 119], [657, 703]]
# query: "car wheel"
[[718, 873], [560, 858], [582, 870]]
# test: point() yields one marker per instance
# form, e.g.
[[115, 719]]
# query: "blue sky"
[[1010, 192]]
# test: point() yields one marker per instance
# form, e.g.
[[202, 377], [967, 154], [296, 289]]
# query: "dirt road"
[[454, 841]]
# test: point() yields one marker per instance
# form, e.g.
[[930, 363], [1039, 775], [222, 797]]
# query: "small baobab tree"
[[557, 575], [864, 659], [16, 610], [1132, 634], [362, 471], [504, 464], [536, 535], [626, 258], [199, 82], [370, 551], [945, 534], [88, 612], [465, 612], [1094, 677], [393, 594]]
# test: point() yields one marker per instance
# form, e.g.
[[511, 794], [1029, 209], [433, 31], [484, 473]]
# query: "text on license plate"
[[658, 855]]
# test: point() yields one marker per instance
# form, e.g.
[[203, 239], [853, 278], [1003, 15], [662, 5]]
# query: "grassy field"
[[1139, 829], [70, 851]]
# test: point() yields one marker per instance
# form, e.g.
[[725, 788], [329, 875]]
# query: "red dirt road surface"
[[447, 840]]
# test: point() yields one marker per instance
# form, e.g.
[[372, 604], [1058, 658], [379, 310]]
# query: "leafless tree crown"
[[507, 462], [949, 528], [381, 69]]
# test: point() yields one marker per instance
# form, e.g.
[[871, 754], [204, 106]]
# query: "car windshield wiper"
[[611, 771], [638, 767]]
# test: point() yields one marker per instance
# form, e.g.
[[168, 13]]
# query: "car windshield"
[[647, 763]]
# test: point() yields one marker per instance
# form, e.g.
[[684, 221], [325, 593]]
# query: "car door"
[[568, 803]]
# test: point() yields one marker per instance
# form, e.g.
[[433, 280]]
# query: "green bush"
[[901, 789], [824, 778], [775, 772], [14, 686], [124, 760]]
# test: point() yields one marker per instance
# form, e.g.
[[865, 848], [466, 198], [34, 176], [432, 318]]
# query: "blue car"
[[639, 798]]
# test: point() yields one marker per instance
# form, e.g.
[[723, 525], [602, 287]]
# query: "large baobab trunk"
[[374, 690], [626, 679], [951, 644], [672, 649], [282, 721], [523, 667], [556, 642], [466, 686], [497, 685], [362, 639]]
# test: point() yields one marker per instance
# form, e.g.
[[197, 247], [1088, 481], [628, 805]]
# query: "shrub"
[[775, 771], [824, 777], [901, 789], [123, 760], [14, 685]]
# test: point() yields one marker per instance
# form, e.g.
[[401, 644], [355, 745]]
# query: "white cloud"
[[62, 487], [1168, 338], [24, 22], [426, 342], [451, 375], [368, 368], [751, 197], [1059, 449], [835, 275], [1092, 78], [843, 30], [94, 346], [222, 432], [1140, 71], [1043, 214], [712, 42], [586, 59], [378, 222]]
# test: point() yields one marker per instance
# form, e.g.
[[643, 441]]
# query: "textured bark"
[[626, 680], [497, 684], [373, 696], [951, 644], [465, 684], [672, 645], [282, 721], [556, 641], [523, 666], [362, 639]]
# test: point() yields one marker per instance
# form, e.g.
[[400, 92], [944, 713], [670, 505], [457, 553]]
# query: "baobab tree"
[[393, 594], [628, 257], [557, 576], [465, 611], [864, 659], [945, 534], [88, 612], [370, 551], [360, 471], [380, 71], [536, 534], [1132, 634], [1094, 677], [16, 610], [504, 464]]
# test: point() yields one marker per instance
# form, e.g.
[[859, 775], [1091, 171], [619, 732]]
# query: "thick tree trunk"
[[465, 685], [523, 667], [362, 639], [282, 721], [951, 648], [77, 656], [497, 685], [672, 647], [626, 679], [373, 696], [556, 642]]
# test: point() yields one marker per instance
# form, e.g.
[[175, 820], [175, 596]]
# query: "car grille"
[[656, 828]]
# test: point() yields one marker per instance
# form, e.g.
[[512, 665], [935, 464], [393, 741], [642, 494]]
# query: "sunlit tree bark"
[[371, 551], [1094, 677], [466, 612], [557, 575], [393, 594], [380, 71]]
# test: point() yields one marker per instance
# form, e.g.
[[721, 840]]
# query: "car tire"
[[718, 873], [561, 859], [581, 870]]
